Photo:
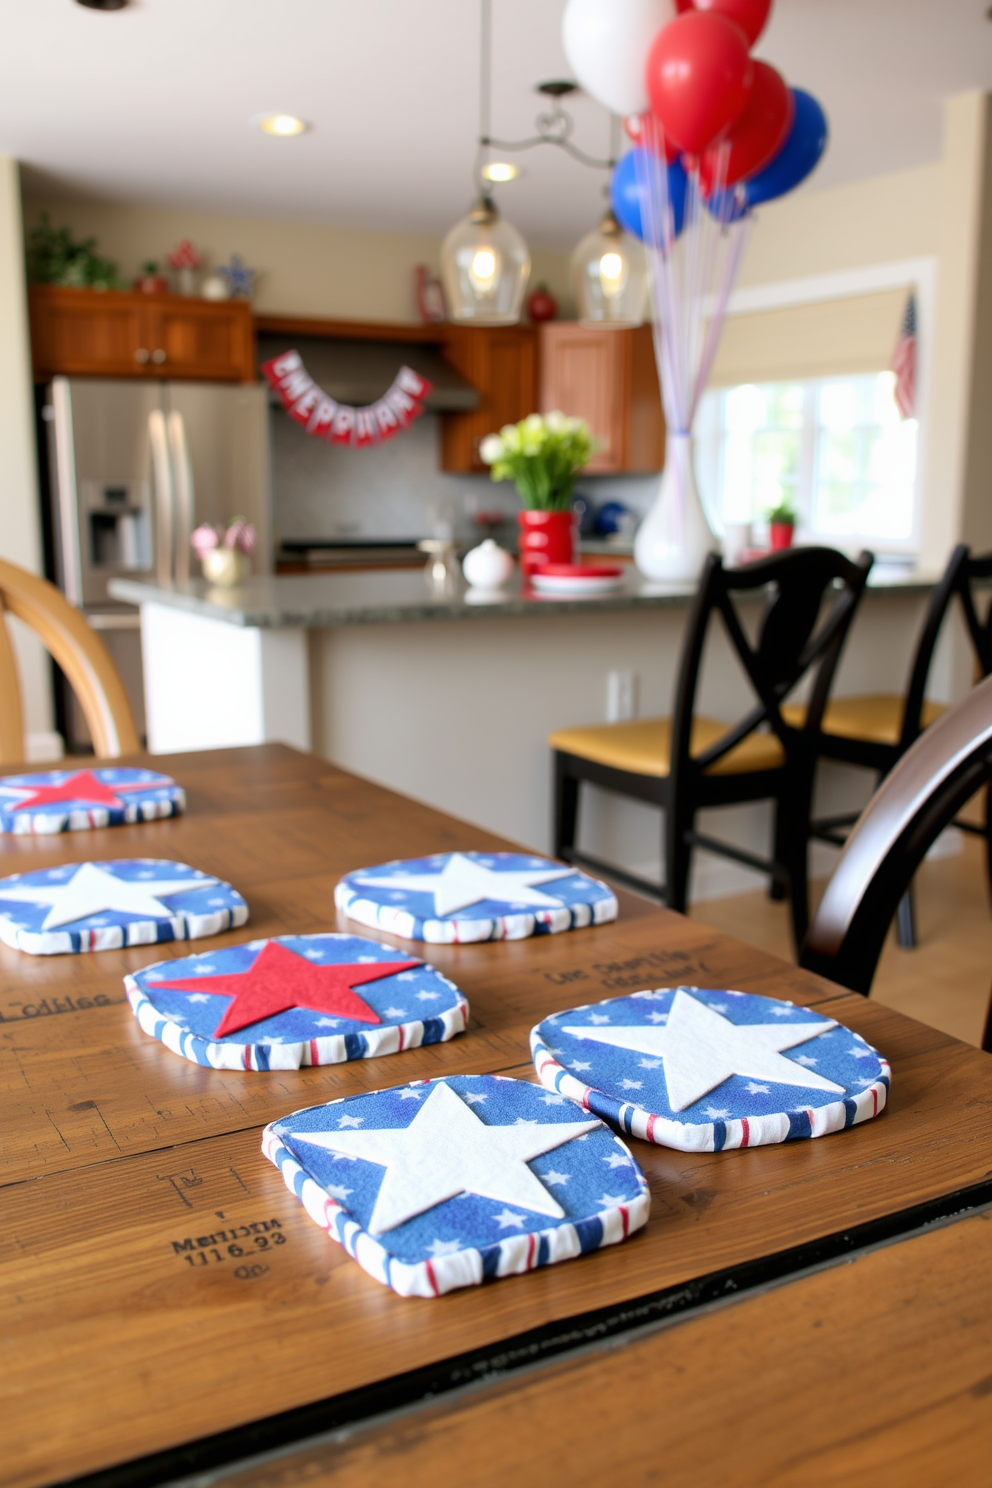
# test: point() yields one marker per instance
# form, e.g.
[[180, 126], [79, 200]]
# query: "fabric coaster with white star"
[[704, 1070], [457, 897], [76, 800], [295, 1000], [447, 1183], [125, 901]]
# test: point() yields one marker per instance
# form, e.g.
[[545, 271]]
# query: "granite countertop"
[[383, 597]]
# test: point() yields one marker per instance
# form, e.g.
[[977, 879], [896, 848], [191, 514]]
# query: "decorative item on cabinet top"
[[88, 332]]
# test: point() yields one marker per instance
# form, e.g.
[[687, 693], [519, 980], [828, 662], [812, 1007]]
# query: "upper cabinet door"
[[83, 332], [199, 339], [500, 362], [607, 377], [89, 333]]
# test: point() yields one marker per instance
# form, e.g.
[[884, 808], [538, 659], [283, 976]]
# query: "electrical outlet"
[[621, 696]]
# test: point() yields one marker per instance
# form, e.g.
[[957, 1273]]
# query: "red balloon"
[[756, 138], [644, 129], [699, 75], [750, 15]]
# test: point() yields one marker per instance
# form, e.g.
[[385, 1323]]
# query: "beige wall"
[[20, 535], [305, 268], [880, 220]]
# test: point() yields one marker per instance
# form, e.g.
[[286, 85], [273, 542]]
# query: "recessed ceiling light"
[[500, 170], [282, 124], [103, 4]]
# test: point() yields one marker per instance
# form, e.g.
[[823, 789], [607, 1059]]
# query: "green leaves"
[[542, 456], [55, 257]]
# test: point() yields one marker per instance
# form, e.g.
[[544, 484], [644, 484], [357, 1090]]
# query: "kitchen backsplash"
[[396, 490]]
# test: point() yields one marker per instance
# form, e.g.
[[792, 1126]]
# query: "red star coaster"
[[83, 786], [278, 979]]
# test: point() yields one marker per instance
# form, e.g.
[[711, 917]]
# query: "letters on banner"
[[339, 423]]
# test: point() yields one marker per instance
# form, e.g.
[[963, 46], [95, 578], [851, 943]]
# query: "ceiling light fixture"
[[283, 125], [103, 4], [484, 261]]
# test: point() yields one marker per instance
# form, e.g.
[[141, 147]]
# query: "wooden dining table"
[[773, 1275]]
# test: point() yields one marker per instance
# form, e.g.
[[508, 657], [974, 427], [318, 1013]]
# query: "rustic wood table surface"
[[125, 1360]]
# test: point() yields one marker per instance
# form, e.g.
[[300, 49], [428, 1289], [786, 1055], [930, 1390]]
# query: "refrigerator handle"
[[185, 500], [164, 495]]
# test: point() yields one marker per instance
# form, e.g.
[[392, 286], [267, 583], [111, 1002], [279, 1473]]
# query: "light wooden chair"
[[80, 653]]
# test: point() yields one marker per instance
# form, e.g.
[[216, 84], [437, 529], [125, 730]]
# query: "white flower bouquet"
[[542, 456]]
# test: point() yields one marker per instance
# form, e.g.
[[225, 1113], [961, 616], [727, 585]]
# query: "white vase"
[[674, 539], [488, 566]]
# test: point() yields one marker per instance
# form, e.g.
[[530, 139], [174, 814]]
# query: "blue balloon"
[[627, 192], [801, 152], [729, 205]]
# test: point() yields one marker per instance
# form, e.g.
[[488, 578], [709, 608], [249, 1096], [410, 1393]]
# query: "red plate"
[[581, 570]]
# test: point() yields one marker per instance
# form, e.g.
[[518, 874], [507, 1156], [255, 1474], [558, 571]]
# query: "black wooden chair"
[[688, 763], [919, 797], [874, 730]]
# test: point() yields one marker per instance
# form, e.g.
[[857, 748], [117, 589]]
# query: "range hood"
[[359, 372]]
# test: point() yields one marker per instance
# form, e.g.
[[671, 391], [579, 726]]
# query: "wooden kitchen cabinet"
[[94, 333], [501, 362], [607, 377]]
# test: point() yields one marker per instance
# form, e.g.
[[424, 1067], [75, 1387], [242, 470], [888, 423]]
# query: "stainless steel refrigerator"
[[134, 467]]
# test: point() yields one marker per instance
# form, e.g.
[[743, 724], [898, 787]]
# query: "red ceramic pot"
[[780, 535], [546, 537]]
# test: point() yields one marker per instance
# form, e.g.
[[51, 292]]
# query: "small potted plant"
[[781, 521], [542, 455], [225, 552], [150, 281]]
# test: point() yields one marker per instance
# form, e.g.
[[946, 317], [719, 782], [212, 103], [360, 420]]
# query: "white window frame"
[[919, 274]]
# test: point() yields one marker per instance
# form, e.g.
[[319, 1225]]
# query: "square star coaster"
[[457, 897], [704, 1070], [124, 901], [448, 1183], [75, 800], [295, 1000]]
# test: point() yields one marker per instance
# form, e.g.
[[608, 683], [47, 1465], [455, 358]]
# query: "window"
[[836, 448]]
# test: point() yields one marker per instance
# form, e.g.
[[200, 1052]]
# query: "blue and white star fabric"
[[295, 1000], [50, 801], [448, 1183], [704, 1070], [121, 902], [456, 897]]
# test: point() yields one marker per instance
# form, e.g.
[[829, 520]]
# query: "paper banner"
[[339, 423]]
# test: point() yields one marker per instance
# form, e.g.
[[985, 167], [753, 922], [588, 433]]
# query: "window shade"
[[826, 339]]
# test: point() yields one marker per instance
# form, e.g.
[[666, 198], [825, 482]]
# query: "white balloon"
[[607, 43]]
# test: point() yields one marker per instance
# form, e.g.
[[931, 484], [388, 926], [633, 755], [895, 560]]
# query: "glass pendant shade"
[[485, 266], [609, 276]]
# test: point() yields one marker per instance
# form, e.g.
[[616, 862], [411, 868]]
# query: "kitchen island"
[[450, 698]]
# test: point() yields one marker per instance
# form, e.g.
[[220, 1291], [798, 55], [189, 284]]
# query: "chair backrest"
[[81, 655], [798, 634], [920, 796], [959, 578]]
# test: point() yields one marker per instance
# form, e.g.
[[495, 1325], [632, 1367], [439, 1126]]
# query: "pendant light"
[[485, 263], [609, 276]]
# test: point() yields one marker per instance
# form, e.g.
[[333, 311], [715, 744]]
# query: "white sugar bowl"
[[488, 566]]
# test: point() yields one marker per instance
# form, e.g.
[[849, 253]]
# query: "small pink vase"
[[546, 537]]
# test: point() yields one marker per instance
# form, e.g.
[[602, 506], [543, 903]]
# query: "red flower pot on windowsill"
[[546, 537], [780, 535]]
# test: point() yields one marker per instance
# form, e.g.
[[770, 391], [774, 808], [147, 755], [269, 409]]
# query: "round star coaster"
[[452, 897], [75, 800], [295, 1000], [125, 901], [447, 1183], [704, 1070]]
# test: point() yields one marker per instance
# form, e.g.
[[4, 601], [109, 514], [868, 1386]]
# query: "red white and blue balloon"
[[76, 800], [295, 1000], [101, 906], [453, 897], [451, 1182], [704, 1070]]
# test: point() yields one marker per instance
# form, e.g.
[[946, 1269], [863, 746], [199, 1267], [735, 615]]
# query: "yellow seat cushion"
[[644, 747], [875, 717]]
